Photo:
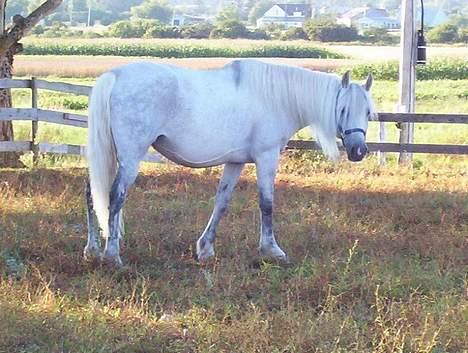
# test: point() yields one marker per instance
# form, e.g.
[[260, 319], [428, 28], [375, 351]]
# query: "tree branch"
[[20, 28]]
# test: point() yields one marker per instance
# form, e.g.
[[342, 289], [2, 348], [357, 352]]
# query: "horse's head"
[[353, 109]]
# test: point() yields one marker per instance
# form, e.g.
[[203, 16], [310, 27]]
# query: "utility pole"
[[407, 79]]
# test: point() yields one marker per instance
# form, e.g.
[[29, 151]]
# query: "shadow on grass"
[[54, 330], [166, 212], [343, 242]]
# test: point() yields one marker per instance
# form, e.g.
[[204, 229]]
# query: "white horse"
[[243, 113]]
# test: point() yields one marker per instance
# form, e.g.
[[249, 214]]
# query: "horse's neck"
[[315, 99]]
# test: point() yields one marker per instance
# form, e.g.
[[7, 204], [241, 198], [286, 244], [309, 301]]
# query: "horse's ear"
[[345, 80], [367, 86]]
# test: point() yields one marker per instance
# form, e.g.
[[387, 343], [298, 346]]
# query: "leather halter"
[[348, 132]]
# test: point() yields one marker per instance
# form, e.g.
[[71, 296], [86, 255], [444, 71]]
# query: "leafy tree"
[[444, 33], [259, 9], [159, 30], [463, 35], [130, 29], [122, 29], [374, 35], [274, 30], [197, 31], [230, 29], [259, 34], [153, 9], [228, 13], [329, 31], [294, 33], [459, 21]]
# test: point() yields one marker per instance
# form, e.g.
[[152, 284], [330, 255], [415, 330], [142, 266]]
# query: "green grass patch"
[[435, 69], [176, 48]]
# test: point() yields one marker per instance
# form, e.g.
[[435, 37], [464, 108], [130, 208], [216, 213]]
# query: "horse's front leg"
[[266, 171], [92, 248], [231, 173]]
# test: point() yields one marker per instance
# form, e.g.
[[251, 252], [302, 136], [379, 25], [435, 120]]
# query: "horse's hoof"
[[274, 253], [111, 260], [283, 260], [204, 256], [204, 253], [91, 253]]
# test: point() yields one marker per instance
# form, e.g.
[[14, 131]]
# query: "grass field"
[[91, 66], [379, 254], [379, 264]]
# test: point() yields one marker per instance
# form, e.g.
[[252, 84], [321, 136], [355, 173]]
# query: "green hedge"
[[184, 50], [440, 69]]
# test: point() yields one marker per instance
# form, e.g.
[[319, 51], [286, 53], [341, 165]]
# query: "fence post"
[[35, 123], [382, 137], [407, 78]]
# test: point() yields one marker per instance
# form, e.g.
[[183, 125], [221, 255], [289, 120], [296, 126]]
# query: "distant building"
[[368, 17], [288, 15], [182, 19]]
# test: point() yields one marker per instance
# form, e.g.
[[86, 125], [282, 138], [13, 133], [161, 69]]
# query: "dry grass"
[[93, 66], [380, 260]]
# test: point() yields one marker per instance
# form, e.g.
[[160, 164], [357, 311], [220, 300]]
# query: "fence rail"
[[40, 115]]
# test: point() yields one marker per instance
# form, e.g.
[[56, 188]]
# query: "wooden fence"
[[35, 115]]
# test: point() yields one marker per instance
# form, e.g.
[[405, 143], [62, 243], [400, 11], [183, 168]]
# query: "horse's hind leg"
[[266, 172], [226, 185], [125, 177], [93, 245]]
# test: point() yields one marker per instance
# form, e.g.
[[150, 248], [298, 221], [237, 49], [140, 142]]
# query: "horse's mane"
[[307, 95]]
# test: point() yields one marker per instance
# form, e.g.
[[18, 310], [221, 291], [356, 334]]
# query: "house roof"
[[290, 9], [371, 12]]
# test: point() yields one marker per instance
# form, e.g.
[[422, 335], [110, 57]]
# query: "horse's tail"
[[102, 160]]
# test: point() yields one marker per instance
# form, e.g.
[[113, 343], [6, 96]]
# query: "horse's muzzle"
[[357, 152]]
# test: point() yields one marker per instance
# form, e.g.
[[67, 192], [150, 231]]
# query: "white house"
[[288, 15], [183, 19], [368, 17], [379, 22]]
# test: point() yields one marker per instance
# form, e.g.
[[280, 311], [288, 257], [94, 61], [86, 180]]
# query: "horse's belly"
[[201, 154]]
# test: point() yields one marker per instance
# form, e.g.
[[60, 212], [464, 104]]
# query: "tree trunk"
[[9, 46], [8, 159]]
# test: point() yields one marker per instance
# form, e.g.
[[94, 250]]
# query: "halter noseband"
[[350, 131]]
